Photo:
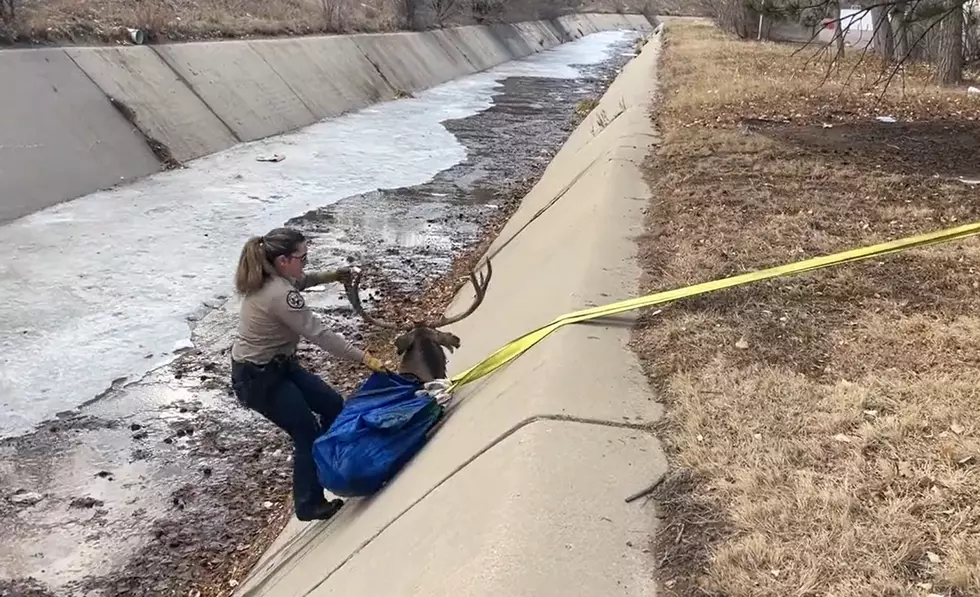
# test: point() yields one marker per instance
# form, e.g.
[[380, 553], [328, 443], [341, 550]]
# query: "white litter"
[[973, 90], [438, 389], [888, 119]]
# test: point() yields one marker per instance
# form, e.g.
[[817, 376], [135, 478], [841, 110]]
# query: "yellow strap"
[[516, 348]]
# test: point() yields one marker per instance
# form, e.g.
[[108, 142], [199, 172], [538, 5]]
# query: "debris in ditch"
[[86, 503], [22, 497], [276, 157], [159, 149], [646, 491]]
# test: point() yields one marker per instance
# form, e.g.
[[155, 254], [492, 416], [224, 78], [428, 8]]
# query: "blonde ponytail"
[[255, 262], [251, 272]]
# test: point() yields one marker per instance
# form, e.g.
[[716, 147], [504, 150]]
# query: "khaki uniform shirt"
[[273, 319]]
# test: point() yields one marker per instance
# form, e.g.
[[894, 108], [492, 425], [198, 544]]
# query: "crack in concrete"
[[180, 77], [254, 591], [499, 439]]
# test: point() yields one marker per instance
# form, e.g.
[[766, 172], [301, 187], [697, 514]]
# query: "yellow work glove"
[[374, 364], [344, 275]]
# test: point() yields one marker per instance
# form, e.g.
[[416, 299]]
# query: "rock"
[[22, 497], [86, 502], [135, 427]]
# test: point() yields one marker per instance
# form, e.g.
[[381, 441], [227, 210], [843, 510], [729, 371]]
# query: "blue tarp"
[[383, 424]]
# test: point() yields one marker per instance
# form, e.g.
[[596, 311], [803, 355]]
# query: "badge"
[[295, 300]]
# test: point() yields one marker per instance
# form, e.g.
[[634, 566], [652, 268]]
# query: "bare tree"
[[950, 61], [488, 11], [971, 33], [411, 8], [838, 29], [899, 30], [444, 11], [734, 16], [7, 11], [903, 30], [882, 36]]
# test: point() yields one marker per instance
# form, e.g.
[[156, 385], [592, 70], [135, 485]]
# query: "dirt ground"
[[823, 429]]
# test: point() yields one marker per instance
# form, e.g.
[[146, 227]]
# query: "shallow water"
[[106, 287]]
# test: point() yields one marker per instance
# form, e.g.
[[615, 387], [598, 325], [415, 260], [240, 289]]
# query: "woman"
[[266, 375]]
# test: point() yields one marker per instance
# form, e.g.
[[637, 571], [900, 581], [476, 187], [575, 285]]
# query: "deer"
[[421, 345]]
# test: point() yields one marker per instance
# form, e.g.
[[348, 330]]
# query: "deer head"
[[421, 345]]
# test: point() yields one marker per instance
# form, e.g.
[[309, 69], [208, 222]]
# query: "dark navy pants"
[[302, 405]]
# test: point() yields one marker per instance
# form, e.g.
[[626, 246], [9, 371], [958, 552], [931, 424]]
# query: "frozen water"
[[101, 288]]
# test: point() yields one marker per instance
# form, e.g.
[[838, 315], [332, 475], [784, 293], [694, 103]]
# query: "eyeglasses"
[[305, 257]]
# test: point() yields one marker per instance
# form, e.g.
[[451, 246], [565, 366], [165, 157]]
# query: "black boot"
[[323, 511]]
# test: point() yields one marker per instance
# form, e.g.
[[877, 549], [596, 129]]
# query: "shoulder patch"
[[295, 300]]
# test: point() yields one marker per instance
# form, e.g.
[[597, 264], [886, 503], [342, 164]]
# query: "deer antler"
[[353, 295], [480, 284]]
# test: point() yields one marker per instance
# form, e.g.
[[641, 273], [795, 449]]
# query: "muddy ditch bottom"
[[166, 486]]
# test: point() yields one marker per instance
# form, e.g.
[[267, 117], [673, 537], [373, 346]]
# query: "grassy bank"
[[105, 21], [823, 429]]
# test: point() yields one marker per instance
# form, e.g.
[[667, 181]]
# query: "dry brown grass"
[[40, 21], [823, 429], [101, 21]]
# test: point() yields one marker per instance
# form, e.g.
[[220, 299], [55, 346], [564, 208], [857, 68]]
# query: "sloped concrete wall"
[[412, 62], [546, 31], [607, 21], [162, 106], [328, 74], [521, 491], [239, 86], [60, 137], [485, 47], [640, 22], [575, 26]]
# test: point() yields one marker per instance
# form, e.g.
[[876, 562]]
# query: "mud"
[[167, 486], [946, 148]]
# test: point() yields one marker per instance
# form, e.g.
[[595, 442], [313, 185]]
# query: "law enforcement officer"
[[266, 375]]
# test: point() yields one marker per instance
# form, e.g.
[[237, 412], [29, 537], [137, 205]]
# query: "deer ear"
[[449, 341], [404, 342]]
